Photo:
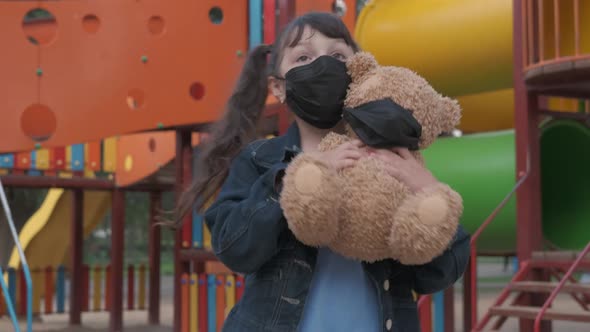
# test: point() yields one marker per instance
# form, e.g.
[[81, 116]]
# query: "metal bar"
[[117, 250], [8, 300], [529, 31], [540, 29], [524, 28], [23, 258], [154, 244], [565, 278], [77, 238], [577, 26], [557, 28]]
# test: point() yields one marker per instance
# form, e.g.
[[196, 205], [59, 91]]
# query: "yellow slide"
[[45, 238]]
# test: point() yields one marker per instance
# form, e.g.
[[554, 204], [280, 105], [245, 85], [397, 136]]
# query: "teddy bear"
[[362, 212]]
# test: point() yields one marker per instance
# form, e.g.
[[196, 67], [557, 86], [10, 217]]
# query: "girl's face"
[[312, 45]]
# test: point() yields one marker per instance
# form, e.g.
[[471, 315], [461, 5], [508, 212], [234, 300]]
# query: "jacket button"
[[388, 324], [386, 285]]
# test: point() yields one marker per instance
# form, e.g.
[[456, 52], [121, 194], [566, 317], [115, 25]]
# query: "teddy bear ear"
[[451, 115], [360, 64]]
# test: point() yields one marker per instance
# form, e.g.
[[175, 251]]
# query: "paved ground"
[[136, 321]]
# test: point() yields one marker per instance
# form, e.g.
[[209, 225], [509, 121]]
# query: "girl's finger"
[[351, 154], [345, 163], [403, 152]]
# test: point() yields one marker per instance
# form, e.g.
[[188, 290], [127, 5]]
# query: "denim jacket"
[[250, 236]]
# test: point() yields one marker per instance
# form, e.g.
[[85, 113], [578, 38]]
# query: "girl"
[[289, 286]]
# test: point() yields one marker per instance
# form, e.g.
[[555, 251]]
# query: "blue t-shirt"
[[341, 297]]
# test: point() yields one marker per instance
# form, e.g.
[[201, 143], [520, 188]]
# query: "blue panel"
[[33, 164], [6, 160], [61, 289], [77, 157], [255, 28], [34, 172], [211, 303], [197, 230], [439, 312]]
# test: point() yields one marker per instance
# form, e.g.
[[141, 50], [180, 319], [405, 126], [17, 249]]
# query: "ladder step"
[[564, 256], [548, 287], [532, 312]]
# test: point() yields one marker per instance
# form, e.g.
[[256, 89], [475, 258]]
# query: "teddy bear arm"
[[310, 201], [425, 224]]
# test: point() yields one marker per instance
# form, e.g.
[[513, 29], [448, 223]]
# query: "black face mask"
[[384, 124], [316, 91]]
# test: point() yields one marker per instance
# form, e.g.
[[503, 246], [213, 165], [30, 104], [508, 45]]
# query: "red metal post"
[[77, 284], [154, 257], [183, 165], [117, 249], [528, 197]]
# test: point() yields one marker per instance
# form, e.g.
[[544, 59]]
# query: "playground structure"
[[519, 72]]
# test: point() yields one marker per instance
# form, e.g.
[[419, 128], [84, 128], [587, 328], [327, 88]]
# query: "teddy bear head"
[[435, 113]]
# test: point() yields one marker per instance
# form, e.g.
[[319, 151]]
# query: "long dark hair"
[[237, 128]]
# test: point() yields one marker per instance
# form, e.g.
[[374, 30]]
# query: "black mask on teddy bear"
[[316, 91], [384, 124]]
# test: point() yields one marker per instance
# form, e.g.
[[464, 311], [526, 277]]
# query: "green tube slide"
[[481, 167]]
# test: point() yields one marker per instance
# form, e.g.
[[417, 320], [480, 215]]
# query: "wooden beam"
[[26, 181]]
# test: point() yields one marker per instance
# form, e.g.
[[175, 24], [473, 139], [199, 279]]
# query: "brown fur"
[[362, 212]]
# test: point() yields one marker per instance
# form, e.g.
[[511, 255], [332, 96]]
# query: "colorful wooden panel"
[[230, 293], [142, 285], [23, 160], [6, 160], [49, 289], [61, 289], [269, 19], [239, 287], [77, 159], [59, 158], [194, 303], [197, 238], [212, 303], [93, 153], [184, 303], [109, 154], [37, 282], [43, 159], [97, 288], [220, 301], [255, 17], [203, 303]]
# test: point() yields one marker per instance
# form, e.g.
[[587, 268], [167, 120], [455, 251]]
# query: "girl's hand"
[[401, 164], [343, 156]]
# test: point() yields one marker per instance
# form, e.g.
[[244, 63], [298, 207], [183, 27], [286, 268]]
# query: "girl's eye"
[[303, 58], [339, 56]]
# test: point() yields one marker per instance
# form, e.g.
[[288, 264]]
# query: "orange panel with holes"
[[110, 67]]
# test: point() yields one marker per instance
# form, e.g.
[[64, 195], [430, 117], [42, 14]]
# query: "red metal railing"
[[534, 27], [470, 279], [560, 286]]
